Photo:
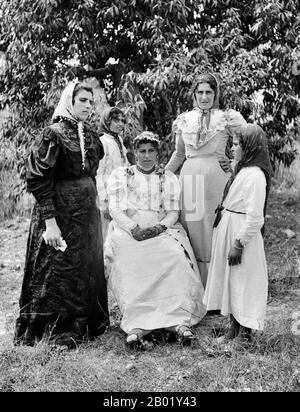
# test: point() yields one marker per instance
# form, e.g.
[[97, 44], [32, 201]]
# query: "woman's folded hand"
[[140, 234]]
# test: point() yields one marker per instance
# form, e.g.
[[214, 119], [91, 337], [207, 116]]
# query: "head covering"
[[204, 115], [209, 78], [65, 104], [255, 153], [146, 137], [106, 117], [65, 110], [255, 149]]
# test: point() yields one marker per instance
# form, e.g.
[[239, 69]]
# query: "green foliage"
[[160, 46]]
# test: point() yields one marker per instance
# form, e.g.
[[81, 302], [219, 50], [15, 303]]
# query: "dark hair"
[[114, 114], [81, 86], [146, 141]]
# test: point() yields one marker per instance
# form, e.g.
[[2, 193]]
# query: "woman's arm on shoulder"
[[234, 121]]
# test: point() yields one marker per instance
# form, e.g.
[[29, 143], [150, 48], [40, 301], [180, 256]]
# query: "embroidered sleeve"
[[117, 189], [171, 192], [118, 198]]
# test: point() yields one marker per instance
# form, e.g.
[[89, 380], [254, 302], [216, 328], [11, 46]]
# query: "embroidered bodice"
[[130, 189]]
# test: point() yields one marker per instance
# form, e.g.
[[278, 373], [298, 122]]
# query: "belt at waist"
[[201, 156], [234, 211], [218, 211]]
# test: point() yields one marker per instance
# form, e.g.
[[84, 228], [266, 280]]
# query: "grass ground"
[[272, 363]]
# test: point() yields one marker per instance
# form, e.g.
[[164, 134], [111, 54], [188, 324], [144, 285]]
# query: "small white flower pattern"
[[145, 191]]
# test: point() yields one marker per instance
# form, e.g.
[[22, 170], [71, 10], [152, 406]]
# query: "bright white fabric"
[[111, 160], [134, 191], [241, 289], [156, 281]]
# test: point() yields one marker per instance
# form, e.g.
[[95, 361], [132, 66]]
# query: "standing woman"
[[237, 278], [202, 137], [64, 292], [112, 124]]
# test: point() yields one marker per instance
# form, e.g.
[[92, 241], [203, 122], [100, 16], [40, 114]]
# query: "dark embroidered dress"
[[64, 293]]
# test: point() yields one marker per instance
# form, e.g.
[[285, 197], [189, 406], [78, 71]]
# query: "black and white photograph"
[[149, 199]]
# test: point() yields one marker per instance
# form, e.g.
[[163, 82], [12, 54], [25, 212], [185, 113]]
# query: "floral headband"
[[146, 136]]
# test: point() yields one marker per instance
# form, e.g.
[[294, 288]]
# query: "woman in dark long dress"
[[64, 292]]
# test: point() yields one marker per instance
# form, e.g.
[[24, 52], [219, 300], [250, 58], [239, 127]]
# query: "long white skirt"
[[156, 282], [240, 290]]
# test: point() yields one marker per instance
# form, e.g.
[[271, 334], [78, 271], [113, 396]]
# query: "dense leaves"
[[160, 46]]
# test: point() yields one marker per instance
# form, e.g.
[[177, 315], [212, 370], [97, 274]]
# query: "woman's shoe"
[[68, 339], [232, 332], [184, 335], [245, 335], [234, 328], [135, 340]]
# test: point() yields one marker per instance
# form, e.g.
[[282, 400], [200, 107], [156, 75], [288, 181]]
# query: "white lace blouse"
[[188, 142]]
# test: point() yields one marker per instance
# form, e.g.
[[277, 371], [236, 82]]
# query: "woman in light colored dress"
[[149, 261], [237, 278], [202, 137], [115, 155]]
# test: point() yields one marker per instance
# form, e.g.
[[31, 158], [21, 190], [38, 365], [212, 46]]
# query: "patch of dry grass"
[[271, 364], [287, 179], [8, 205]]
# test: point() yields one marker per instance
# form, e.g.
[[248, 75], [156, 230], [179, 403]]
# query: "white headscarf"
[[65, 109], [65, 104]]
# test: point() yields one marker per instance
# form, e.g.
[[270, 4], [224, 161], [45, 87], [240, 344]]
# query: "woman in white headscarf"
[[64, 290], [202, 145]]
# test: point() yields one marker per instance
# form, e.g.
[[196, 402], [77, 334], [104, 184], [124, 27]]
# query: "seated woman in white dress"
[[150, 264], [237, 278]]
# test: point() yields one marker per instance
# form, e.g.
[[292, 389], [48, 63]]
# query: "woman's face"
[[204, 96], [117, 124], [83, 103], [146, 156], [237, 151]]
